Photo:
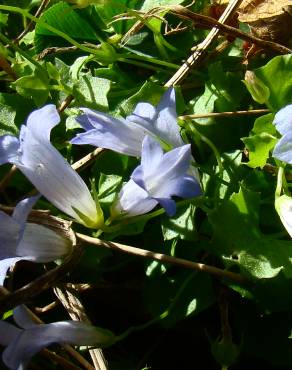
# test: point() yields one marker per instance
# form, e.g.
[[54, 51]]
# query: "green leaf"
[[64, 18], [3, 19], [225, 352], [277, 76], [223, 92], [91, 92], [264, 124], [108, 188], [259, 147], [261, 140], [186, 294], [35, 86], [182, 225], [239, 241], [258, 90], [7, 120], [150, 92], [150, 4]]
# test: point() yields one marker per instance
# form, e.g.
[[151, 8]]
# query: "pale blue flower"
[[283, 205], [126, 135], [27, 241], [159, 177], [44, 166], [283, 124], [23, 342]]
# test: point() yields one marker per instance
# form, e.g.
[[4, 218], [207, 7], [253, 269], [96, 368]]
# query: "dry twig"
[[202, 47], [164, 258]]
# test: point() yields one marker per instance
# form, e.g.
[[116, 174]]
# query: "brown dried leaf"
[[254, 10]]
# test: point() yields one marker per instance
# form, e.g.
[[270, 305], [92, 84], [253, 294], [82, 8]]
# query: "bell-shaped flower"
[[283, 205], [20, 240], [283, 124], [126, 135], [44, 166], [159, 177], [26, 340]]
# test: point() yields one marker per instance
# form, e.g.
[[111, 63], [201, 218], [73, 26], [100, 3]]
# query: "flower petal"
[[168, 204], [109, 132], [143, 114], [9, 146], [164, 177], [283, 205], [23, 318], [44, 166], [283, 120], [9, 333], [283, 148], [5, 265], [23, 208], [152, 155], [132, 201], [9, 236], [166, 124], [32, 340], [41, 244], [41, 121]]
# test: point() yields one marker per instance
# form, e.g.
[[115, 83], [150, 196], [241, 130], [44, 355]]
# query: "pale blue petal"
[[283, 120], [167, 100], [41, 244], [168, 204], [109, 132], [9, 236], [165, 175], [145, 110], [283, 148], [23, 317], [144, 115], [152, 155], [163, 178], [9, 149], [32, 340], [23, 208], [108, 140], [9, 333], [188, 188], [166, 124], [5, 265], [133, 201], [44, 166], [41, 121]]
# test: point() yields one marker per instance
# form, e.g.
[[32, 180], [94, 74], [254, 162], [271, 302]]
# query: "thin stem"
[[162, 316], [86, 160], [5, 40], [198, 201], [164, 258], [150, 60], [279, 181], [226, 114]]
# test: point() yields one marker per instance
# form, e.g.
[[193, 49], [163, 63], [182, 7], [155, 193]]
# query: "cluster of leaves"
[[78, 52]]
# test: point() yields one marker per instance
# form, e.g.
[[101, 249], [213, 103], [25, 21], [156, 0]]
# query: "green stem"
[[215, 151], [141, 64], [198, 201], [162, 315], [280, 177], [153, 60], [5, 40], [93, 51]]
